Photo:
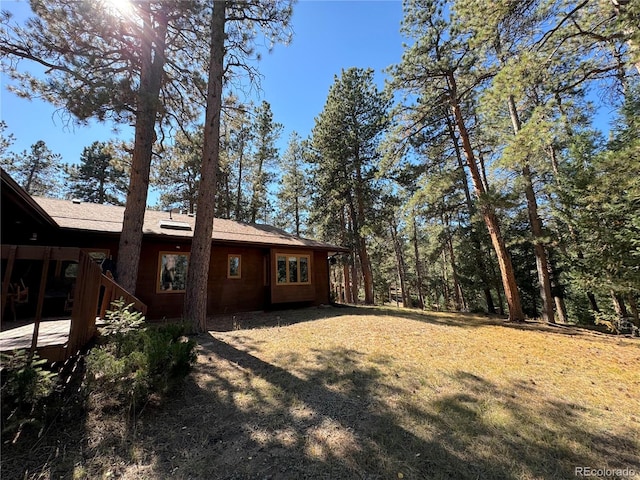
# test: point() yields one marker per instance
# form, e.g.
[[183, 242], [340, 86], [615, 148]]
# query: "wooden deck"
[[92, 296], [53, 338]]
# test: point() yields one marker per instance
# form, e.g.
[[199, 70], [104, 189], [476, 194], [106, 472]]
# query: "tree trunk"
[[195, 303], [592, 302], [32, 172], [348, 294], [618, 305], [561, 309], [101, 189], [542, 264], [446, 294], [461, 303], [482, 269], [399, 263], [365, 262], [147, 101], [488, 214], [416, 254], [633, 304], [354, 280]]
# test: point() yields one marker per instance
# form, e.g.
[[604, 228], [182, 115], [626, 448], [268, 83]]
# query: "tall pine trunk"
[[147, 104], [365, 262], [416, 254], [475, 238], [542, 264], [400, 265], [461, 303], [488, 213], [195, 302]]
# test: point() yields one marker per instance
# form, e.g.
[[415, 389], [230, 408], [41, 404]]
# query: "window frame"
[[287, 258], [239, 275], [159, 288], [62, 274]]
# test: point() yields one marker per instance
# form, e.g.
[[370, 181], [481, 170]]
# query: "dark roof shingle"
[[108, 219]]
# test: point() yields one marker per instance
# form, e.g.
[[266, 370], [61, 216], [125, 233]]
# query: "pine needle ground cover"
[[378, 393]]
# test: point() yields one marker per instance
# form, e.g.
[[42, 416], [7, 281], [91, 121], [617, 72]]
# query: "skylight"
[[173, 225]]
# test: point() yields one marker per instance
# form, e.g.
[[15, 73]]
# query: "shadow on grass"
[[52, 444], [338, 416], [244, 418], [252, 320]]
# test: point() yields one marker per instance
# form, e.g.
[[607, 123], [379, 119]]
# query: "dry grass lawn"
[[376, 393]]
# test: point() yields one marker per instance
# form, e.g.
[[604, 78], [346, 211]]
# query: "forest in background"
[[476, 179]]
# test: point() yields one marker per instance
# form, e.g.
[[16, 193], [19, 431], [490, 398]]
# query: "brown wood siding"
[[247, 293], [315, 292], [159, 305]]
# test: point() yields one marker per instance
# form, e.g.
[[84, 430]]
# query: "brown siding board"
[[313, 292], [164, 304], [236, 295], [224, 295]]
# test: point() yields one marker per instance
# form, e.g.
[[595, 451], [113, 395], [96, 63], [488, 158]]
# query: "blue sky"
[[328, 36]]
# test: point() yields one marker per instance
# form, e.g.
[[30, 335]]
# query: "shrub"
[[26, 384], [122, 319], [137, 361]]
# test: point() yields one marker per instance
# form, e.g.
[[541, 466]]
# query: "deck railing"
[[113, 291], [92, 295]]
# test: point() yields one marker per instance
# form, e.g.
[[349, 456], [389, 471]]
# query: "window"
[[234, 263], [293, 269], [71, 269], [172, 272]]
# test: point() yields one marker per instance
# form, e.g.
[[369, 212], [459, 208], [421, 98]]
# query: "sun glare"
[[120, 8]]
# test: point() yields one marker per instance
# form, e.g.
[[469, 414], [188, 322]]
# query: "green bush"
[[136, 361], [26, 384]]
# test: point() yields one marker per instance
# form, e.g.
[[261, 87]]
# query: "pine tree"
[[115, 67], [37, 170], [266, 132], [99, 178], [177, 174], [5, 142], [345, 141], [440, 70], [293, 193], [233, 34]]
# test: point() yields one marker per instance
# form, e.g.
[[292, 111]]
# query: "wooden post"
[[83, 319], [107, 297], [43, 288], [7, 276]]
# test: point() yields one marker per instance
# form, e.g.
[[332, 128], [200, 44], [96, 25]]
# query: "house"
[[253, 266]]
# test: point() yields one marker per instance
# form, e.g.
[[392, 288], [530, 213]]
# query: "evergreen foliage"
[[37, 170], [177, 174], [99, 178], [487, 186], [345, 143], [293, 193]]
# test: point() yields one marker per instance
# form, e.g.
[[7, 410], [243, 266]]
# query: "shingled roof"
[[108, 219]]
